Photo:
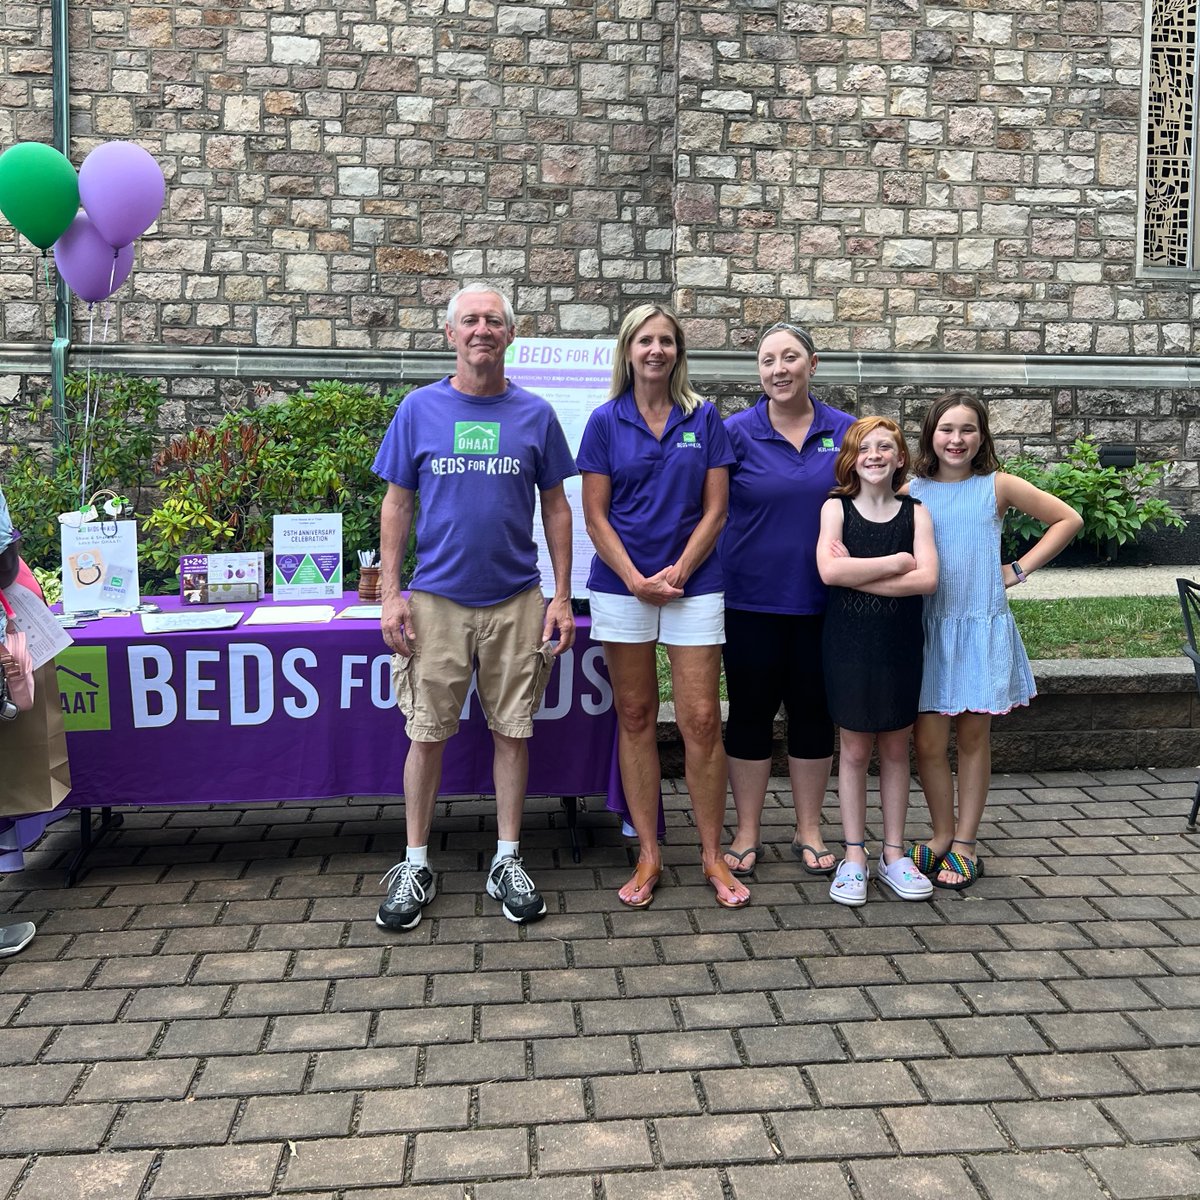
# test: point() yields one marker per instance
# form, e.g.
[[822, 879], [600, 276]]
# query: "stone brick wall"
[[333, 169], [900, 174], [907, 175], [1089, 715]]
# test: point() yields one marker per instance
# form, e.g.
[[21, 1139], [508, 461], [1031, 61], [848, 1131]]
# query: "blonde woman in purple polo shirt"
[[655, 463], [786, 447]]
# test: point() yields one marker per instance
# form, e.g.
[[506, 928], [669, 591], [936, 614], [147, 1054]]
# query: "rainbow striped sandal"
[[970, 869], [927, 861]]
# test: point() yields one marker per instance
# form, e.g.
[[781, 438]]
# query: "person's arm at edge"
[[1061, 520], [556, 521], [395, 523]]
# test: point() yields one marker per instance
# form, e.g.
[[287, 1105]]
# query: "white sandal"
[[903, 877], [849, 884]]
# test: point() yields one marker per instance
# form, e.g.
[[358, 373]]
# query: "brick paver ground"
[[212, 1012]]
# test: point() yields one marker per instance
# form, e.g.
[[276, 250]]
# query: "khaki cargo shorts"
[[505, 640]]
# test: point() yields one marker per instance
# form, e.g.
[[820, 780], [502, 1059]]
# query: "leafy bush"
[[120, 440], [207, 490], [1114, 502], [310, 453], [50, 582]]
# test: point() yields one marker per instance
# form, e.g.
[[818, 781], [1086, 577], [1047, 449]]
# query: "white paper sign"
[[573, 374], [100, 566], [308, 556], [44, 636]]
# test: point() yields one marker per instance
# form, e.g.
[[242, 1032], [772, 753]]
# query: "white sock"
[[418, 855], [505, 850]]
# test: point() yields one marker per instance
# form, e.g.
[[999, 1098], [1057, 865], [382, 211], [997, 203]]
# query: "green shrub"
[[208, 490], [310, 453], [120, 440], [1115, 503]]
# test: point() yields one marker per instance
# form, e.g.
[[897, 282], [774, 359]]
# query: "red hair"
[[847, 478]]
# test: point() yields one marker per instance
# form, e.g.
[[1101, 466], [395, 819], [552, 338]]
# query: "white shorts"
[[688, 621]]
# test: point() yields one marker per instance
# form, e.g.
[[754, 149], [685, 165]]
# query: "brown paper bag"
[[35, 776]]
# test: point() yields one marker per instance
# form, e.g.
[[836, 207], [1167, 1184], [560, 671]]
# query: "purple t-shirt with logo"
[[769, 545], [657, 486], [475, 462]]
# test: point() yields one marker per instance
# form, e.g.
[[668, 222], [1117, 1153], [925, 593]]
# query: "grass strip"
[[1100, 627]]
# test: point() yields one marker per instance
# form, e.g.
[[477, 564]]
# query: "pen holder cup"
[[369, 587]]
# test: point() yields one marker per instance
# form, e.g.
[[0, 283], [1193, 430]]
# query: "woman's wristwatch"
[[1021, 576]]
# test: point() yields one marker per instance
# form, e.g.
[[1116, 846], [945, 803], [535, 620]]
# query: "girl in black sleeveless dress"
[[876, 553]]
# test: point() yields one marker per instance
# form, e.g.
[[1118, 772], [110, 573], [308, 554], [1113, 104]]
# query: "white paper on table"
[[218, 618], [44, 636], [291, 614], [362, 612]]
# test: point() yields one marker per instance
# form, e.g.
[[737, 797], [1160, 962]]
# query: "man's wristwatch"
[[1021, 576]]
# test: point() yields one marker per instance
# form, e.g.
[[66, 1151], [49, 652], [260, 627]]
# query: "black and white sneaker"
[[14, 938], [519, 900], [410, 889]]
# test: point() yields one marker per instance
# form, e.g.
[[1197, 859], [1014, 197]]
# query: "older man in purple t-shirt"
[[474, 447]]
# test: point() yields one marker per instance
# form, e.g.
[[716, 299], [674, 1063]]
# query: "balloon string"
[[85, 454], [91, 403]]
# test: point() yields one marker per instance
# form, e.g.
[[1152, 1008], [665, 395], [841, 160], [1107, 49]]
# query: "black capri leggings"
[[773, 658]]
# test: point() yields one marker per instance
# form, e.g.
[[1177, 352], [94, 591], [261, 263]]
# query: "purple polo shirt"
[[769, 546], [474, 462], [657, 486]]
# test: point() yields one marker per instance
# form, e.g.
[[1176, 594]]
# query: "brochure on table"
[[222, 578], [99, 566], [308, 556], [574, 375]]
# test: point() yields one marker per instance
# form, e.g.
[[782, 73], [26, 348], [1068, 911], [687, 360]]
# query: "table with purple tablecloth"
[[294, 712]]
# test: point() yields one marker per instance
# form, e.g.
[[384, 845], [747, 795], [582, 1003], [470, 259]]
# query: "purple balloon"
[[92, 268], [122, 190]]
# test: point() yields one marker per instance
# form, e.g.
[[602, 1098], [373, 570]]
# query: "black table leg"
[[88, 838], [571, 804]]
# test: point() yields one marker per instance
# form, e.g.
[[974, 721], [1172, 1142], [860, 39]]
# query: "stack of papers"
[[182, 622], [291, 614]]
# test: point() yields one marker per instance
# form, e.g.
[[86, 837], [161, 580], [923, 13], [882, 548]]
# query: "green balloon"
[[39, 191]]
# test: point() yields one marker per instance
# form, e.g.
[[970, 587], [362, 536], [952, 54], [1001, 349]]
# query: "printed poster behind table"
[[308, 556], [573, 374], [100, 566]]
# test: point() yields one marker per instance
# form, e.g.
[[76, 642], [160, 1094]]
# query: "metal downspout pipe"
[[61, 345]]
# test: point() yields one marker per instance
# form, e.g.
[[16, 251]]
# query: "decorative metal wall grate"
[[1171, 135]]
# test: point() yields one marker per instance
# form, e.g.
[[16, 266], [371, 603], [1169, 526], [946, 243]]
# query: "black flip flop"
[[798, 849], [741, 871]]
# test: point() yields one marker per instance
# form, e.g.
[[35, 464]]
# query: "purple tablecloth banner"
[[293, 712]]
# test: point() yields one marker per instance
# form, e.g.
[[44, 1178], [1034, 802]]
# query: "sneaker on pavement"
[[904, 879], [14, 938], [409, 890], [849, 884], [519, 900]]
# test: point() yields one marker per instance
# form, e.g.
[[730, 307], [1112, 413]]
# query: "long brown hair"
[[849, 483], [925, 465]]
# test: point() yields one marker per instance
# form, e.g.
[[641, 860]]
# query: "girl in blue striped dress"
[[975, 664]]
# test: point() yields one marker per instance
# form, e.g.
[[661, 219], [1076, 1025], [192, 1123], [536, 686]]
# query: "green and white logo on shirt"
[[827, 445], [688, 441], [476, 437]]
